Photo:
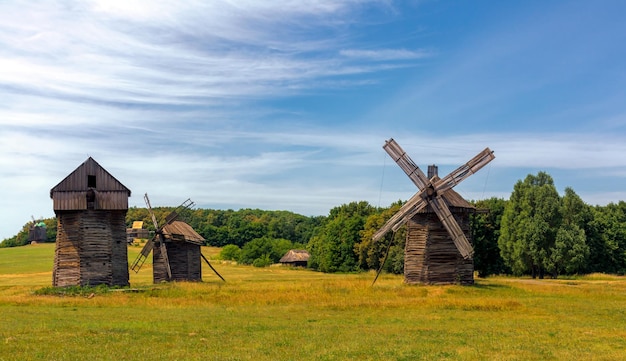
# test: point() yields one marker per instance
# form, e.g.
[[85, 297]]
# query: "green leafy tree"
[[332, 247], [529, 225], [371, 254], [264, 248], [485, 231], [570, 251], [606, 237]]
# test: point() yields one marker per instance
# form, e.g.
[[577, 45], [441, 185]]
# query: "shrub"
[[230, 252], [262, 261]]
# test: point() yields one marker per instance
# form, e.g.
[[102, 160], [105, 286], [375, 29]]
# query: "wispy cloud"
[[386, 54], [187, 99]]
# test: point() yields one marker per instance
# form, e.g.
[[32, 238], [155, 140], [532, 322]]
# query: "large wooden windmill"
[[90, 205], [175, 249], [437, 248]]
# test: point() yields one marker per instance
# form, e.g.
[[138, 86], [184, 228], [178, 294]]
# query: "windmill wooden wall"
[[90, 205], [183, 252], [430, 254]]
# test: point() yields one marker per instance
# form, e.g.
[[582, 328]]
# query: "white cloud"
[[386, 54], [170, 97]]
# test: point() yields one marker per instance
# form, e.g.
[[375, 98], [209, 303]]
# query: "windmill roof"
[[181, 231], [295, 255], [77, 180]]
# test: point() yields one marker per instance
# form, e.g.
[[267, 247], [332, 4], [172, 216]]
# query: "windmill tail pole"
[[214, 270], [384, 259]]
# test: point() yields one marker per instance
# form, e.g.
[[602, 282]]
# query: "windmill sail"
[[464, 171], [406, 163], [453, 228], [430, 193], [412, 206]]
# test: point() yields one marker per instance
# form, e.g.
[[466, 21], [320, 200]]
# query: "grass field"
[[278, 313]]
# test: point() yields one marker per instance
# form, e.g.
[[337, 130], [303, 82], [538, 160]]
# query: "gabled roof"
[[77, 181], [181, 231], [295, 255]]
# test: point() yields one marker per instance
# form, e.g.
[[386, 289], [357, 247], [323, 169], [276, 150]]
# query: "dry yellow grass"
[[279, 313]]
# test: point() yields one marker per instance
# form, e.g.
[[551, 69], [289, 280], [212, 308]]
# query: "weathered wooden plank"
[[431, 256], [91, 248]]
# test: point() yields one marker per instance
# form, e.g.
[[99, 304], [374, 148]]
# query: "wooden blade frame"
[[154, 220], [143, 255], [412, 206], [406, 163], [464, 171], [452, 226], [430, 194], [166, 259]]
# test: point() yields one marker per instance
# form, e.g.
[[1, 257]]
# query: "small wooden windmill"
[[175, 249], [437, 249]]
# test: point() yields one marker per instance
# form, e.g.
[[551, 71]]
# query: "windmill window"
[[91, 181]]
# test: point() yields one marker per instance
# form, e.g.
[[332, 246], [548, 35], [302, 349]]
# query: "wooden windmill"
[[90, 206], [437, 249], [175, 249], [37, 232]]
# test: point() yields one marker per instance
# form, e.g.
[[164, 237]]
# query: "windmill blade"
[[214, 270], [166, 260], [173, 215], [406, 163], [453, 228], [143, 255], [464, 171], [154, 220], [412, 206]]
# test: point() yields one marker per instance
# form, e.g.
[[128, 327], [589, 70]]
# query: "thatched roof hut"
[[295, 257], [90, 205]]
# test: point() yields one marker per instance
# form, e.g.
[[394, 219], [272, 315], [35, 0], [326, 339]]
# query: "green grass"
[[277, 313]]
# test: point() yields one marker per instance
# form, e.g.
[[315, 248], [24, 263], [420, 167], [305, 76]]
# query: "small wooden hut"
[[295, 257], [136, 232], [430, 254], [90, 206], [182, 245], [37, 232]]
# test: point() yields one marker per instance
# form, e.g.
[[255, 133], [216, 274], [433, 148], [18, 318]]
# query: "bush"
[[230, 252], [265, 247], [262, 261]]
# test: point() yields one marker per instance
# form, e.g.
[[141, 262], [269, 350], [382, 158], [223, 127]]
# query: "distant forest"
[[536, 232]]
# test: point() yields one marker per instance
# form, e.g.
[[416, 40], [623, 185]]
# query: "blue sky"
[[286, 105]]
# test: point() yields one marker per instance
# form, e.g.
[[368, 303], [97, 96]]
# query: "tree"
[[570, 251], [371, 254], [332, 246], [606, 237], [485, 231], [529, 225], [263, 250]]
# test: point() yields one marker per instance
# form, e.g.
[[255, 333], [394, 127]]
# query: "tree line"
[[536, 232]]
